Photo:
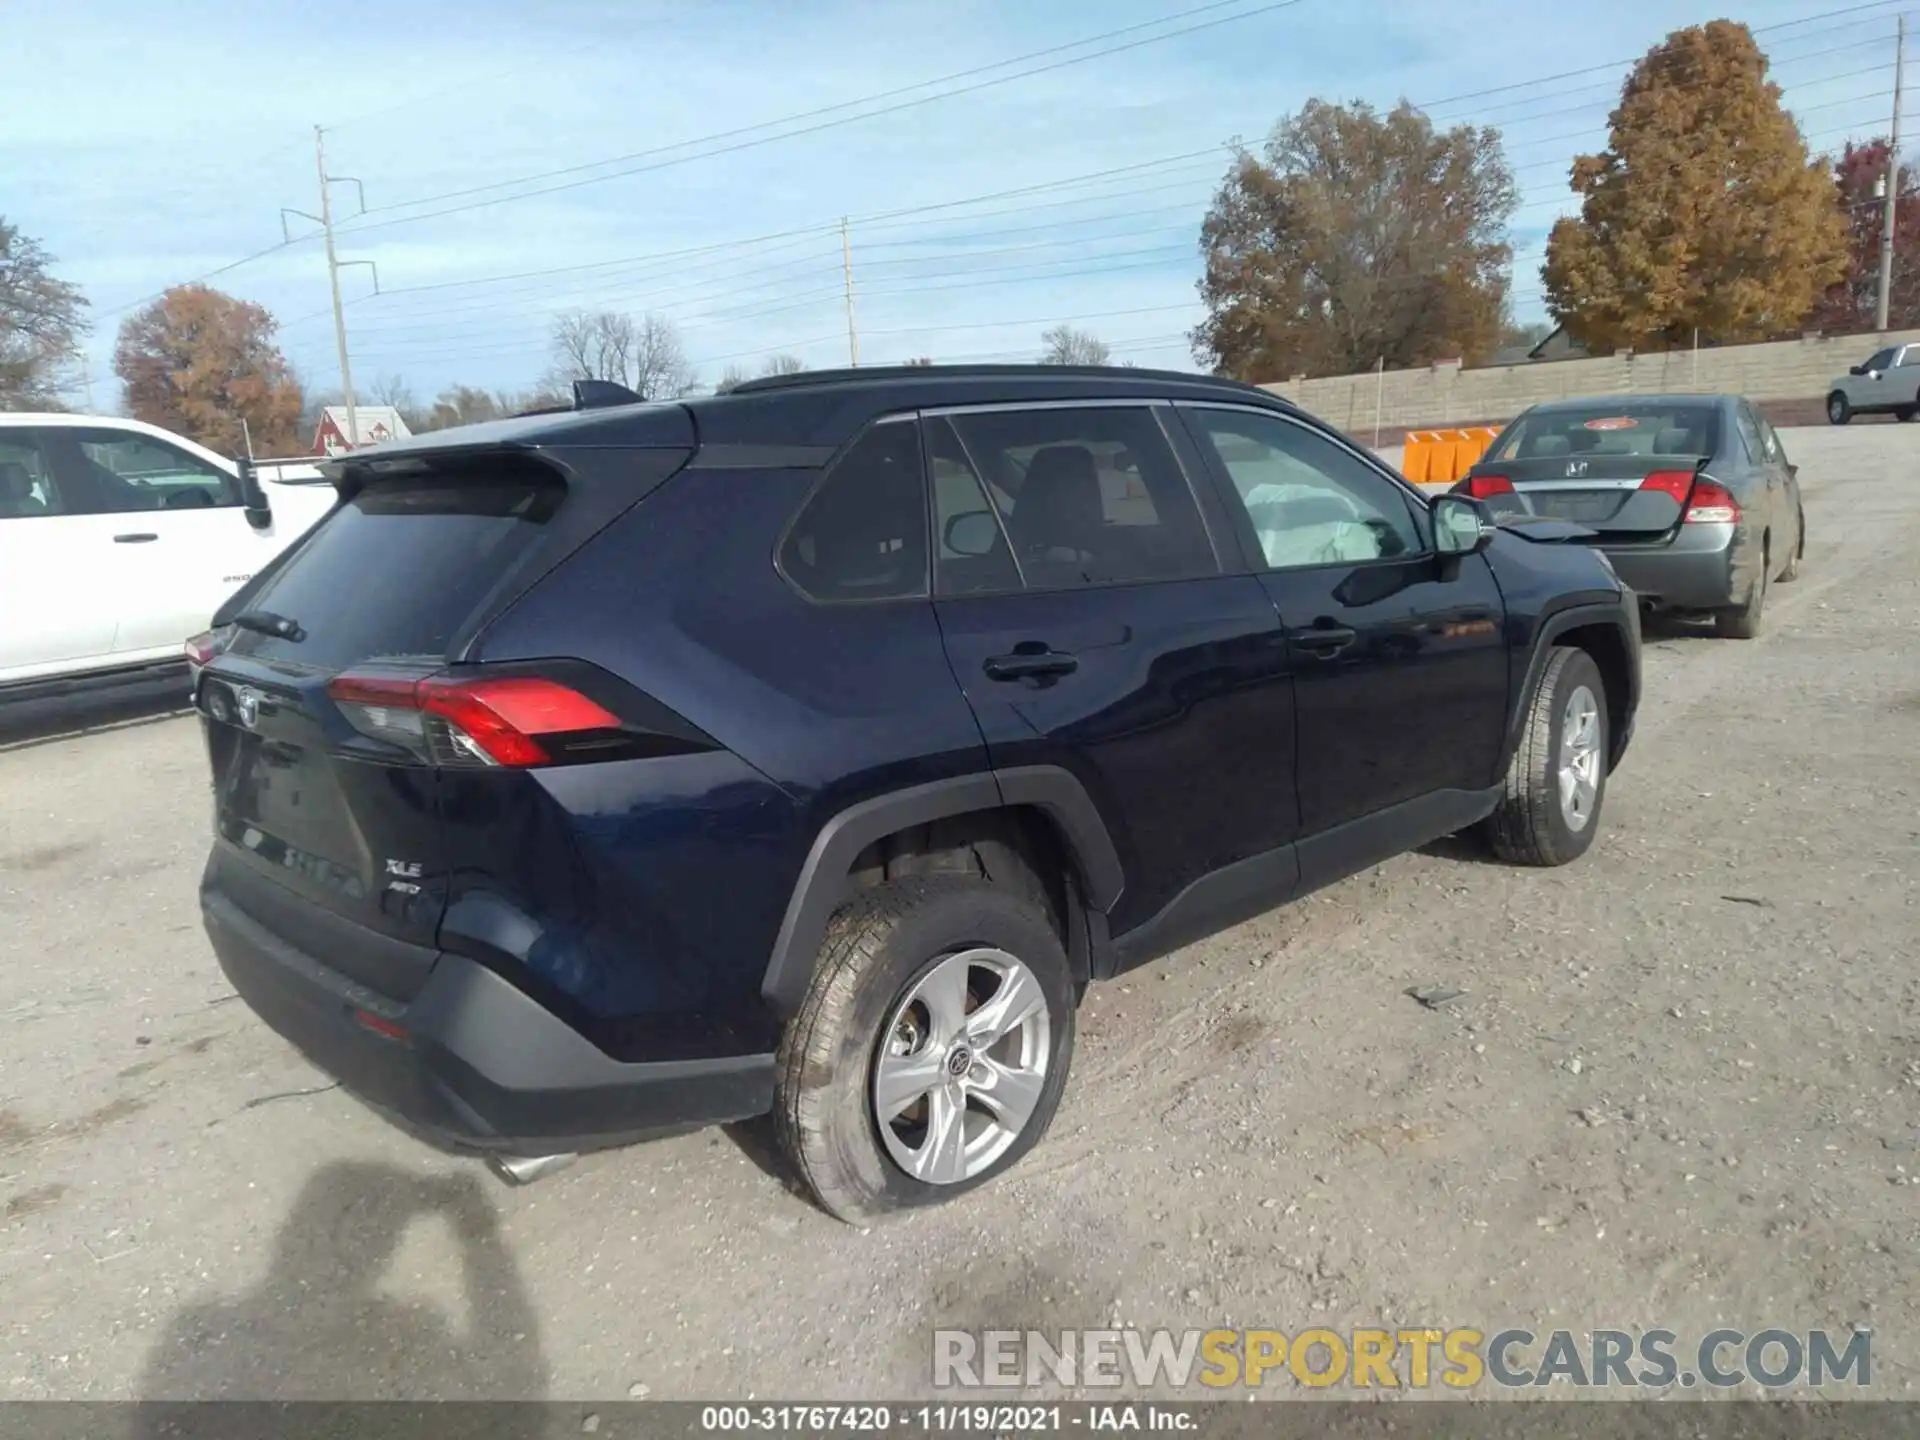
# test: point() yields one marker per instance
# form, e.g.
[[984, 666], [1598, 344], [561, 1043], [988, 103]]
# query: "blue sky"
[[149, 145]]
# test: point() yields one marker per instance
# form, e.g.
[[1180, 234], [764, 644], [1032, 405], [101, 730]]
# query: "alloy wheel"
[[961, 1065], [1579, 767]]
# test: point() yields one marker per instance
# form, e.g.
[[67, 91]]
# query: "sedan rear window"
[[1682, 431]]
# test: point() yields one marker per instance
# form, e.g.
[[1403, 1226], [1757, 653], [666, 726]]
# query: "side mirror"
[[1856, 369], [1462, 525], [973, 534], [253, 496]]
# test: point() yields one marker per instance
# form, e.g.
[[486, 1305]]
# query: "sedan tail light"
[[515, 721], [1677, 483], [1485, 487], [1713, 504]]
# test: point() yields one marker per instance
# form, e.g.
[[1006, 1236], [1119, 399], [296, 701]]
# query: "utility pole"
[[1893, 183], [334, 266], [846, 270], [1379, 397]]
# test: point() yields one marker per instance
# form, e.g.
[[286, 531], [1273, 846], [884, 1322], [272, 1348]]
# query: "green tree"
[[1355, 236], [200, 363], [1704, 211], [41, 323]]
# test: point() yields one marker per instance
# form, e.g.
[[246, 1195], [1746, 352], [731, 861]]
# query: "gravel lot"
[[1682, 1090]]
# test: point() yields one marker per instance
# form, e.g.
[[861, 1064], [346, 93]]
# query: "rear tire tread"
[[810, 1110], [1521, 828]]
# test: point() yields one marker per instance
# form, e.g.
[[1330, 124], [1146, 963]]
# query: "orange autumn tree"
[[199, 363], [1704, 210]]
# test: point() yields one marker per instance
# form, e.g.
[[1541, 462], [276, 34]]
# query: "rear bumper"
[[1701, 568], [471, 1062]]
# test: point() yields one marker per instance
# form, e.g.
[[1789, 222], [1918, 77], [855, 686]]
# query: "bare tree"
[[42, 321], [782, 365], [593, 345], [731, 378], [1068, 346], [661, 370], [644, 355]]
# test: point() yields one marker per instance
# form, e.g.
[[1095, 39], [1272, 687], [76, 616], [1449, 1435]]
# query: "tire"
[[1906, 412], [865, 998], [1792, 571], [1839, 410], [1532, 824], [1744, 622]]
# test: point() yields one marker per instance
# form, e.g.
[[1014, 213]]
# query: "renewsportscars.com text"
[[1369, 1358]]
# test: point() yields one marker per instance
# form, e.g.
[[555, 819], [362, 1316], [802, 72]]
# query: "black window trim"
[[1223, 548], [825, 477], [1419, 504], [935, 539]]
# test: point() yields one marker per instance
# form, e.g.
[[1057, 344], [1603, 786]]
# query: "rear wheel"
[[932, 1048], [1838, 410], [1792, 572], [1743, 622], [1549, 810]]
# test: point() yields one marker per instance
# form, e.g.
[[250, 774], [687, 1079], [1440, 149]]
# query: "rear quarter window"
[[398, 571]]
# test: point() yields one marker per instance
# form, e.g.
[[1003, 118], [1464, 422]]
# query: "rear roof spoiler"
[[590, 395]]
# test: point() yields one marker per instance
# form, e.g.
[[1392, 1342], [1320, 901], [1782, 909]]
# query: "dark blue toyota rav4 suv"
[[809, 749]]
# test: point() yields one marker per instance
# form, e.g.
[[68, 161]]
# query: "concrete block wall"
[[1445, 394]]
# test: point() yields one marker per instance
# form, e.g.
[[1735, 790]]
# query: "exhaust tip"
[[525, 1169]]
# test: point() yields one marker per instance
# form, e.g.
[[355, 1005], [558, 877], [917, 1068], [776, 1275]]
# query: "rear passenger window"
[[862, 535], [1087, 496]]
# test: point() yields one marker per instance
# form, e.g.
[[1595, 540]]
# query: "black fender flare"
[[821, 887], [1622, 615]]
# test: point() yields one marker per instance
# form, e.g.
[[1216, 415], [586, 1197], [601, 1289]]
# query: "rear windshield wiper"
[[265, 622]]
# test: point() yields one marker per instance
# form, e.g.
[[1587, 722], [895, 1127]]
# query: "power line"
[[1271, 6], [1880, 5], [202, 279]]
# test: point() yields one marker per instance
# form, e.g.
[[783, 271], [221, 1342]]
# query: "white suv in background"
[[118, 541], [1888, 382]]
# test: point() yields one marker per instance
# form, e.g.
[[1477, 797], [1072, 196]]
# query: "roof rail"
[[801, 379]]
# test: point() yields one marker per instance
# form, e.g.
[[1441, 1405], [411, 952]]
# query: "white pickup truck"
[[118, 541], [1886, 383]]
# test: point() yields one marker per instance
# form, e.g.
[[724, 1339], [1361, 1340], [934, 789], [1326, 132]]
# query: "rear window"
[[398, 571], [1643, 430]]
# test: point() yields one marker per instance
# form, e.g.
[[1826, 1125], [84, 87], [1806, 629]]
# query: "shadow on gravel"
[[327, 1322], [25, 723]]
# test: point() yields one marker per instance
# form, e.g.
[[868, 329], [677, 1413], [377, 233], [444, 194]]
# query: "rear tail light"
[[1677, 483], [515, 721], [1707, 502], [202, 648], [1712, 504], [1485, 487]]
